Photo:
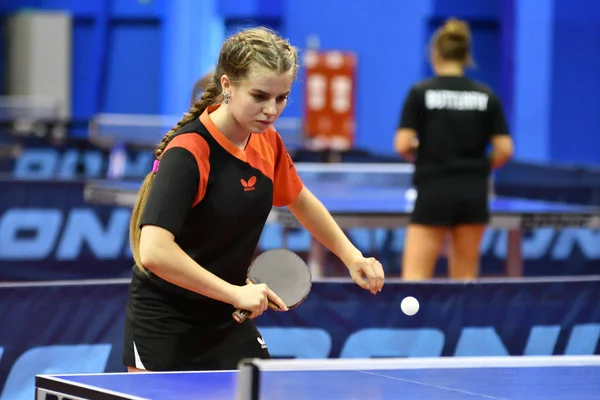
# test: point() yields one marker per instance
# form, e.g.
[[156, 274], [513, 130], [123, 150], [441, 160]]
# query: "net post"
[[248, 386]]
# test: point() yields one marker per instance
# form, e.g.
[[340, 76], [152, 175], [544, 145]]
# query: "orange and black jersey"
[[455, 119], [215, 198]]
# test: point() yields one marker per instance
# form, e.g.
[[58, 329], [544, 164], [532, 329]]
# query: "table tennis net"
[[253, 371]]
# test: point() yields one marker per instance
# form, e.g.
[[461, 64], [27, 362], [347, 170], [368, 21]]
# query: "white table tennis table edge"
[[361, 364], [357, 364]]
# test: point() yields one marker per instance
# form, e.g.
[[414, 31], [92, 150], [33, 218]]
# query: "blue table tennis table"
[[448, 378], [381, 196]]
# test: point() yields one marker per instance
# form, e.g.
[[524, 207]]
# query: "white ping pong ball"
[[410, 305]]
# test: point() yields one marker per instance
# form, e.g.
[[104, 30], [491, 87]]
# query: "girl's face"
[[258, 100]]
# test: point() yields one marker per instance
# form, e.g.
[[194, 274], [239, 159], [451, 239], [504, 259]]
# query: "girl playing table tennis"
[[446, 126], [200, 213]]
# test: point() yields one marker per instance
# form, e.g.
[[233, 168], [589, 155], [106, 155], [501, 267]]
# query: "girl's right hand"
[[255, 298]]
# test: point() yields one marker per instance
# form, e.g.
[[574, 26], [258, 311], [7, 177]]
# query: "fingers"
[[371, 278], [276, 300], [375, 275], [264, 300], [370, 275], [265, 295], [261, 308], [261, 298], [379, 276], [359, 278]]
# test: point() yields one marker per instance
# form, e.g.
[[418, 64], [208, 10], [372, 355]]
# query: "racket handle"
[[240, 315]]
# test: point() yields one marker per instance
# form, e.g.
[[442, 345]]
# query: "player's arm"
[[502, 143], [172, 194], [502, 150], [174, 191], [406, 143], [160, 254], [405, 140], [317, 220], [313, 215], [290, 191]]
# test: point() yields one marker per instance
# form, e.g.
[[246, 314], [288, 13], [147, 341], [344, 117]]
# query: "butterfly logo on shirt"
[[249, 185]]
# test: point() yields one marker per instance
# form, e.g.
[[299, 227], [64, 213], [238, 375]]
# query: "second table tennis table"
[[381, 196]]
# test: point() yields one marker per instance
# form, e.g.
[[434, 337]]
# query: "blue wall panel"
[[467, 9], [76, 8], [486, 41], [138, 8], [83, 58], [192, 34], [390, 55], [534, 23], [541, 57], [506, 46], [89, 8], [133, 65], [234, 9], [575, 118], [234, 25]]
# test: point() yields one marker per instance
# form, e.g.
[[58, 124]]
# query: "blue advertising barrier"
[[77, 327], [49, 232]]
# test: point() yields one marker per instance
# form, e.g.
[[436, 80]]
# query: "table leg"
[[514, 253], [284, 238], [316, 258]]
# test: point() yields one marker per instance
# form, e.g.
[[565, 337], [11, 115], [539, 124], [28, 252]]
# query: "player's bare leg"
[[133, 369], [463, 257], [422, 248]]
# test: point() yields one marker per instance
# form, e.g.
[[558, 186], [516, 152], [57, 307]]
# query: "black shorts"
[[168, 333], [451, 201]]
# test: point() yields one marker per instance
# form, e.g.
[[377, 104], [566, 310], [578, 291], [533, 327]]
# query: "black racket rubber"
[[285, 273]]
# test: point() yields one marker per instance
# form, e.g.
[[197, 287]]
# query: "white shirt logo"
[[262, 342], [455, 100]]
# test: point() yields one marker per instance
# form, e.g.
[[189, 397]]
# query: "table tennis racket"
[[285, 273]]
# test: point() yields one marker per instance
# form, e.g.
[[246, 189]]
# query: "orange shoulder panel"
[[196, 145], [272, 159]]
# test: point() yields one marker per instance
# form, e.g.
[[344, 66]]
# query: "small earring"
[[226, 98]]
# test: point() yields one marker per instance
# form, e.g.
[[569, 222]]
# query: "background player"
[[200, 86], [446, 126], [200, 213]]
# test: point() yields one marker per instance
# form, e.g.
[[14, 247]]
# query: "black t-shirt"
[[215, 198], [455, 119]]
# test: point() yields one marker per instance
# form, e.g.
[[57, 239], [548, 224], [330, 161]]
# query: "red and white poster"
[[329, 100]]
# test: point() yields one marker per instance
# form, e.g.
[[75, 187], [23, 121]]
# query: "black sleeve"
[[173, 190], [411, 112], [499, 126]]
